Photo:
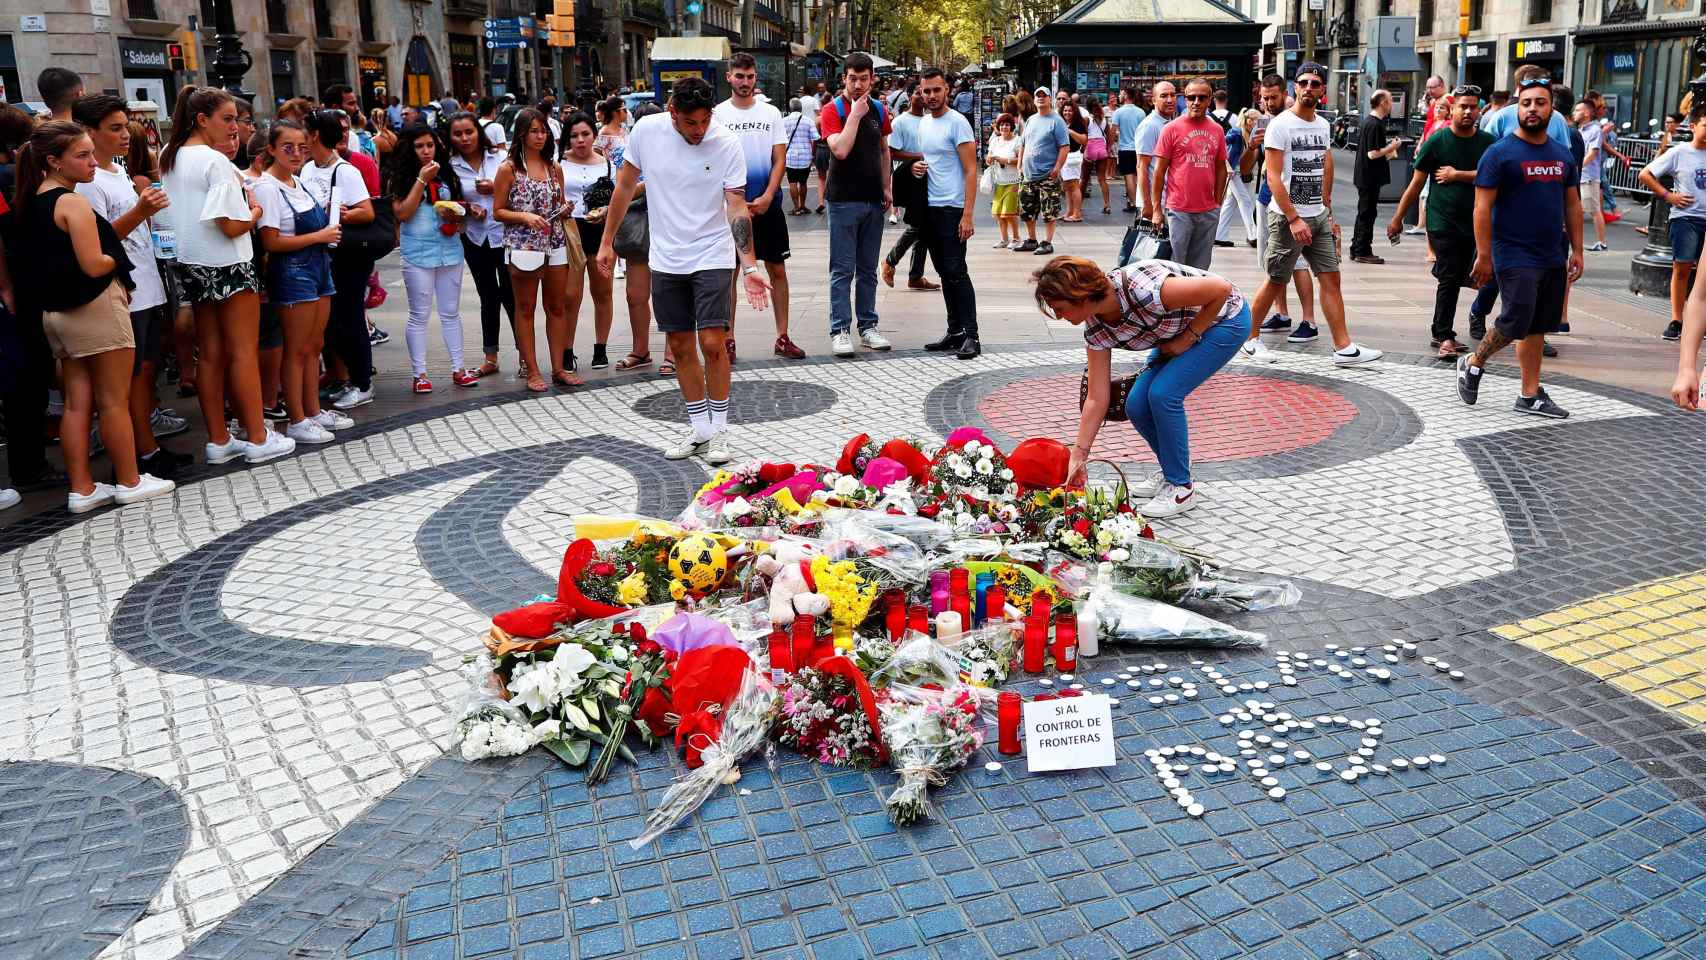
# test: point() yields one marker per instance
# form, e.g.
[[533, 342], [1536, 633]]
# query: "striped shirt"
[[1144, 322], [799, 141]]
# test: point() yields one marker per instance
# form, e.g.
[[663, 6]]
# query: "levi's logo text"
[[1542, 171]]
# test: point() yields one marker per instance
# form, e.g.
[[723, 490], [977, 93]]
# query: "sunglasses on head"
[[1466, 90], [1536, 82]]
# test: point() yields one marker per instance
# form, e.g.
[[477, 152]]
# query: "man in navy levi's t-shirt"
[[1525, 199]]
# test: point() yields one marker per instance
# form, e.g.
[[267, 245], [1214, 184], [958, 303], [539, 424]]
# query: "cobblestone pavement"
[[226, 712]]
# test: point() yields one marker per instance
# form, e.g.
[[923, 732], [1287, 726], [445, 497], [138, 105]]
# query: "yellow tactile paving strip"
[[1648, 640]]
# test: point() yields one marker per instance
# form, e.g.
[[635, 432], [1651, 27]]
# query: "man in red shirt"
[[856, 127], [1190, 175]]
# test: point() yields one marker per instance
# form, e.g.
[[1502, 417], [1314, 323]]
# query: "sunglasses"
[[1311, 83], [1194, 97], [1466, 90], [293, 149], [1536, 82]]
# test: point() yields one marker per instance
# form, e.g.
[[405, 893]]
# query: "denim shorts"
[[1686, 234], [301, 277]]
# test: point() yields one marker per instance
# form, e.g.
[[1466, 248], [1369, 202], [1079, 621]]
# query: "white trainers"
[[352, 398], [274, 446], [147, 488], [841, 345], [1355, 355], [1256, 351], [309, 431], [9, 498], [717, 453], [332, 420], [690, 445], [226, 452], [84, 502], [165, 423], [1170, 501], [874, 340], [1148, 486]]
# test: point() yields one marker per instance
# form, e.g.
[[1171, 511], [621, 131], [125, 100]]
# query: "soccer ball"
[[699, 562]]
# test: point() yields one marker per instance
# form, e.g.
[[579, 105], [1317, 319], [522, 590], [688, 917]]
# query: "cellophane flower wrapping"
[[490, 727], [746, 726], [819, 715], [930, 733], [1138, 621], [986, 655]]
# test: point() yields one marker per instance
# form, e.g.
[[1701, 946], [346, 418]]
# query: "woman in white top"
[[216, 272], [582, 168], [1004, 153], [295, 230], [475, 163], [337, 186]]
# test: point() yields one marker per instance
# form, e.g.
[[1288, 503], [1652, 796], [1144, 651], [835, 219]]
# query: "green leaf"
[[576, 716], [571, 752], [590, 705]]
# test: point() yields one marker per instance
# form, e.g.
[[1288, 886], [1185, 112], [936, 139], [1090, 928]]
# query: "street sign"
[[508, 33], [988, 44], [695, 7]]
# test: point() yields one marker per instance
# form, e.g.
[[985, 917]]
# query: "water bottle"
[[165, 238]]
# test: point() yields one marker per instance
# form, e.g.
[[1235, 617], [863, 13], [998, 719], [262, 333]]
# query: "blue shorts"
[[300, 277], [1686, 234]]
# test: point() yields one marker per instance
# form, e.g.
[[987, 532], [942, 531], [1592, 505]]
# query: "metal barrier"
[[1621, 177]]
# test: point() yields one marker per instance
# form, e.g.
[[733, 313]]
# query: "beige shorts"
[[1283, 250], [99, 326], [1590, 198]]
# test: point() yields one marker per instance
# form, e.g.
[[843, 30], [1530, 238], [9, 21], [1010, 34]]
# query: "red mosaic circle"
[[1234, 416]]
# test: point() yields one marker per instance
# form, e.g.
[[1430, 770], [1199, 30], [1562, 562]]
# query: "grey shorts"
[[1322, 253], [687, 302], [148, 326]]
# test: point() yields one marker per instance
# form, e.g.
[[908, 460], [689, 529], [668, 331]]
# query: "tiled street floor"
[[226, 713]]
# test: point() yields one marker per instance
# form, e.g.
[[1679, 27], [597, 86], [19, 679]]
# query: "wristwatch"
[[748, 271]]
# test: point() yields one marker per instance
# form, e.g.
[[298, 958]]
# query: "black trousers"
[[941, 235], [346, 330], [1362, 235], [1454, 257], [910, 240], [25, 395], [491, 281]]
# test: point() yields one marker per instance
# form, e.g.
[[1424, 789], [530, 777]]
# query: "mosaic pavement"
[[226, 721]]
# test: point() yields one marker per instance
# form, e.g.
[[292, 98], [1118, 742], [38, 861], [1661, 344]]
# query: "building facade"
[[1639, 53]]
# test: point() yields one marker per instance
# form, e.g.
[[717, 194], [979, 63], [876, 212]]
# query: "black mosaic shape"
[[1382, 424], [82, 851], [762, 401], [172, 620]]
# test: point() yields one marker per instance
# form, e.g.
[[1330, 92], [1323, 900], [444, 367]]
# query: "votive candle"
[[1008, 708], [1066, 643], [1036, 642], [1089, 641], [948, 625]]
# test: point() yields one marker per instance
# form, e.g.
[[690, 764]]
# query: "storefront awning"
[[1650, 28]]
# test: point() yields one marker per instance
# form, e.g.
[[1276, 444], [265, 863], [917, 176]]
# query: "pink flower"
[[966, 435], [883, 471]]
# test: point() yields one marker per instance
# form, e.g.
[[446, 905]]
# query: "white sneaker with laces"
[[147, 488], [841, 345], [1256, 351], [226, 452], [9, 498], [1148, 486], [717, 453], [309, 431], [690, 445], [352, 398], [1169, 501], [274, 446], [332, 420], [874, 340], [84, 502], [1356, 356]]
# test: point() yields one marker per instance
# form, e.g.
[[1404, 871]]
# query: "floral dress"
[[543, 197]]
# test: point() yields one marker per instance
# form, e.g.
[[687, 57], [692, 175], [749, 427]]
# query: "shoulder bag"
[[633, 240], [598, 193], [1119, 387], [370, 241]]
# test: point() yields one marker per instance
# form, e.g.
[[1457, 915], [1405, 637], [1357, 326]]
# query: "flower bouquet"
[[648, 668], [1138, 621], [929, 732], [828, 712], [493, 728], [630, 573], [975, 469]]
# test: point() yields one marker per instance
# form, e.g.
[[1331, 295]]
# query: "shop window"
[[331, 68], [1539, 11], [278, 17], [143, 10], [1425, 19]]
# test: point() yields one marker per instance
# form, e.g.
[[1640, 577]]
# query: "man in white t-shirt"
[[1685, 164], [489, 122], [114, 198], [764, 145], [1298, 163], [700, 230]]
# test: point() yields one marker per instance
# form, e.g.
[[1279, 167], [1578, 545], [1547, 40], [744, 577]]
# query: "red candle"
[[781, 655], [1040, 602], [1045, 696], [1066, 643], [1036, 642], [959, 580], [962, 606], [895, 613], [805, 641], [1069, 692], [1008, 707], [919, 619], [994, 605]]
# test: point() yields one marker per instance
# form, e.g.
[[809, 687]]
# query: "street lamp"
[[230, 61], [1649, 272]]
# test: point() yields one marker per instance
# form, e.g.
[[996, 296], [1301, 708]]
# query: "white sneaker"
[[147, 488], [309, 431], [1358, 355], [166, 423], [83, 503], [1148, 486], [332, 420], [226, 452], [718, 452], [1169, 501], [9, 498], [621, 270], [1257, 352], [690, 445], [874, 340], [841, 345], [274, 446], [352, 398]]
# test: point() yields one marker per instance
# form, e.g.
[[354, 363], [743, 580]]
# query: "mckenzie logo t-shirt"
[[1528, 214]]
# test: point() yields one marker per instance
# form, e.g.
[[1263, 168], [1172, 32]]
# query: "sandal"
[[487, 369], [537, 384], [666, 368], [634, 361], [563, 378]]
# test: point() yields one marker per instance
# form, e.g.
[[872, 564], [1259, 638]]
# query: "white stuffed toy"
[[789, 593]]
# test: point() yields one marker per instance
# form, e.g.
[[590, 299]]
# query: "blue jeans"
[[1156, 404], [855, 247]]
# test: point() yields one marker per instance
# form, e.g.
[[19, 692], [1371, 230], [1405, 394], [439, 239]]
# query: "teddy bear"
[[791, 594]]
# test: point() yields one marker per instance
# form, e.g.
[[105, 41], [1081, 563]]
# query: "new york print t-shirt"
[[759, 128], [1304, 145], [1528, 214]]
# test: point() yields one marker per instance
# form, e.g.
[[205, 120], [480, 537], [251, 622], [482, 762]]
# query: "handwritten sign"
[[1069, 734]]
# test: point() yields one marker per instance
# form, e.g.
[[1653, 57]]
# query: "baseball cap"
[[1311, 67]]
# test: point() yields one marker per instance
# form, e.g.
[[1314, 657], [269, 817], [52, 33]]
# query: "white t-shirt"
[[113, 195], [810, 106], [281, 202], [480, 232], [317, 180], [1305, 144], [685, 207], [556, 129], [204, 187], [1688, 166], [760, 131], [577, 177], [495, 133], [1006, 150]]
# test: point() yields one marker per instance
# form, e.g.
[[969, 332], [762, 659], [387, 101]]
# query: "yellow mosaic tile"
[[1649, 640]]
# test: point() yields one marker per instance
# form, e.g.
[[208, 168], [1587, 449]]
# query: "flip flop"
[[634, 361]]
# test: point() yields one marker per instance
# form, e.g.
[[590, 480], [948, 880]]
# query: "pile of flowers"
[[796, 606]]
